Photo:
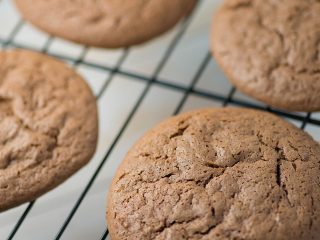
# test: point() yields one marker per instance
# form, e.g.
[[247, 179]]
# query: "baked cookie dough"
[[105, 23], [218, 174], [48, 125], [270, 50]]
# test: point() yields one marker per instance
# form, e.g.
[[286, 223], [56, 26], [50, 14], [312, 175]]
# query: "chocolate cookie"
[[218, 174], [271, 50], [48, 125], [105, 23]]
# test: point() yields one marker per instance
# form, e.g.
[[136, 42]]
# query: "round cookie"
[[271, 50], [218, 174], [48, 125], [105, 23]]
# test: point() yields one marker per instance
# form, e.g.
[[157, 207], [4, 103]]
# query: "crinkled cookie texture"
[[105, 23], [48, 125], [271, 50], [218, 174]]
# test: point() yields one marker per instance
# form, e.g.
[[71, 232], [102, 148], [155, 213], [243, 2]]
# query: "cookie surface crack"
[[179, 132]]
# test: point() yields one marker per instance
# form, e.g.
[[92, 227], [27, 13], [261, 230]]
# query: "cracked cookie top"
[[105, 23], [271, 50], [48, 125], [218, 174]]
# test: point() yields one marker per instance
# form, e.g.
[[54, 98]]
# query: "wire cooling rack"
[[135, 89]]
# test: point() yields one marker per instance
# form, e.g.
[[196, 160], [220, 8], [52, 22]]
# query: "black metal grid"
[[153, 80]]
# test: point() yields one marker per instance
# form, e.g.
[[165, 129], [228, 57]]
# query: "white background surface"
[[115, 105]]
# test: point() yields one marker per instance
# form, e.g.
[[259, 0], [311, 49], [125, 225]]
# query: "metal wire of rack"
[[148, 82]]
